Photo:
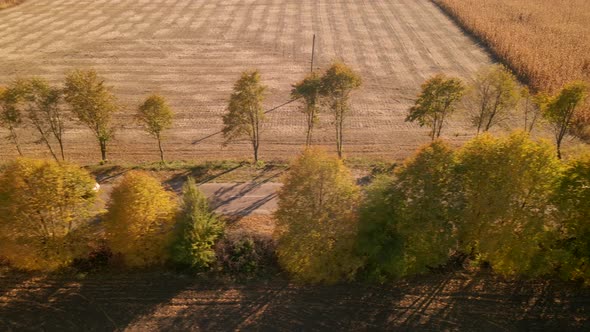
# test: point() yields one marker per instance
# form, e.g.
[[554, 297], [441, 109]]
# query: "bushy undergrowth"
[[245, 256], [198, 229]]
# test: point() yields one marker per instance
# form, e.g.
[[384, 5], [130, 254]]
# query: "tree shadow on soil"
[[99, 303], [153, 301]]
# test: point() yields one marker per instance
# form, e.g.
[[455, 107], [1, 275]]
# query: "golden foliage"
[[140, 219], [507, 184], [317, 219], [45, 208]]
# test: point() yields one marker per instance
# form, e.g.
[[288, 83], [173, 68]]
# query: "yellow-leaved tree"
[[507, 185], [45, 209], [572, 199], [140, 219], [317, 219]]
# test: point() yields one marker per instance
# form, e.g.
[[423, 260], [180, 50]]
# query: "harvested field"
[[192, 51], [546, 42], [163, 302]]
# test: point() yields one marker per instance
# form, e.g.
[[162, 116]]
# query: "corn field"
[[8, 3], [546, 42]]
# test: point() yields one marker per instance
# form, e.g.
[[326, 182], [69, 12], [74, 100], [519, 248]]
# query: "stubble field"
[[192, 51]]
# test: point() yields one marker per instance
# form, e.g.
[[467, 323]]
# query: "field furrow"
[[193, 51]]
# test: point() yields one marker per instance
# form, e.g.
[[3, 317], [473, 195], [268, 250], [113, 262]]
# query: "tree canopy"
[[155, 116], [337, 84], [492, 97], [45, 210], [93, 104], [140, 219], [309, 90], [562, 109], [245, 112], [437, 101], [316, 219]]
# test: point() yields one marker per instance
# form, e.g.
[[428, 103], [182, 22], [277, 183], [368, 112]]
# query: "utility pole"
[[312, 52]]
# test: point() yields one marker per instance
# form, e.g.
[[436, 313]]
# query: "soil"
[[461, 301], [192, 51]]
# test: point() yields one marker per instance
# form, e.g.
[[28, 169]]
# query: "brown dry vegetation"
[[192, 51], [547, 42], [9, 3]]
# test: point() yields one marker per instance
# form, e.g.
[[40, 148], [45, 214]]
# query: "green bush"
[[246, 255], [408, 222], [198, 228]]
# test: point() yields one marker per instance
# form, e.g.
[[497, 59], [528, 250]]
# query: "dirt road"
[[232, 199], [192, 51]]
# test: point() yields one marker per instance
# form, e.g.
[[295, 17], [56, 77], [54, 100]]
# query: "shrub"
[[408, 222], [507, 184], [573, 201], [317, 219], [246, 255], [140, 220], [198, 230], [45, 208]]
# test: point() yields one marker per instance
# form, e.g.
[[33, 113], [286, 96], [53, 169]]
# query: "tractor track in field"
[[192, 51]]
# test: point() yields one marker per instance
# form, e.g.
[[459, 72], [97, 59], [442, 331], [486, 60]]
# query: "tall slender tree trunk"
[[256, 137], [161, 150], [46, 141], [61, 149], [339, 125], [15, 140], [310, 118], [255, 152], [103, 149], [50, 149]]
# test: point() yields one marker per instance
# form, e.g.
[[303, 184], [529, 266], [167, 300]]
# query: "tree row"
[[492, 99], [508, 203]]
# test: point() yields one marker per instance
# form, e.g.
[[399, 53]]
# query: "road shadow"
[[202, 174]]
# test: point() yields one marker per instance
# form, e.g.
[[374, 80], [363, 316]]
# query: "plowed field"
[[192, 51], [152, 302]]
